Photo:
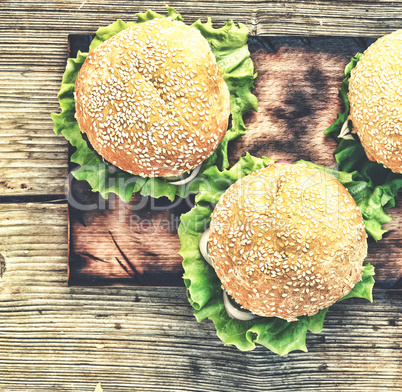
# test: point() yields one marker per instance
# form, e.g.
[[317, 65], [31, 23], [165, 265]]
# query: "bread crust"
[[151, 99], [375, 96], [287, 240]]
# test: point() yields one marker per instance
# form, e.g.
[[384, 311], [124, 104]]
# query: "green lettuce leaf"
[[363, 289], [204, 288], [375, 186], [228, 44]]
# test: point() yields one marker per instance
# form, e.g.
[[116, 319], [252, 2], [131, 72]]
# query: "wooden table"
[[57, 335]]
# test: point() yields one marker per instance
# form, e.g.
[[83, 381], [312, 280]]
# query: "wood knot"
[[392, 322]]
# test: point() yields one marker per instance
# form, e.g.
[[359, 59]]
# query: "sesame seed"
[[144, 98], [262, 227]]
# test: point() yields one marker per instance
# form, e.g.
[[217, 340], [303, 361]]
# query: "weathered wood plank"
[[33, 244], [360, 18], [67, 339], [56, 337], [33, 160], [33, 41]]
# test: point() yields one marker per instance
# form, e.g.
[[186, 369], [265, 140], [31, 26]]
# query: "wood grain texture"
[[59, 338], [297, 90], [149, 341], [132, 243], [33, 244], [136, 243], [33, 160], [33, 43], [339, 18]]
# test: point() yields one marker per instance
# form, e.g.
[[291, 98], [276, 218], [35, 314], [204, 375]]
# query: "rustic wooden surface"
[[59, 338], [56, 337]]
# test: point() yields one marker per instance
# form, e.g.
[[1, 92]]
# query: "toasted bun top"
[[151, 99], [287, 240], [375, 95]]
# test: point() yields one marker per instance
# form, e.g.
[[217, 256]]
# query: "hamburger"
[[376, 102], [282, 243], [368, 130], [155, 103], [287, 241], [151, 99]]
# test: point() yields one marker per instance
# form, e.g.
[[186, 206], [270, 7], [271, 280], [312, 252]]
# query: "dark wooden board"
[[119, 243], [136, 243]]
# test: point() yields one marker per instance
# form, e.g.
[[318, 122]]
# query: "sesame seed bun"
[[151, 99], [375, 97], [287, 240]]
